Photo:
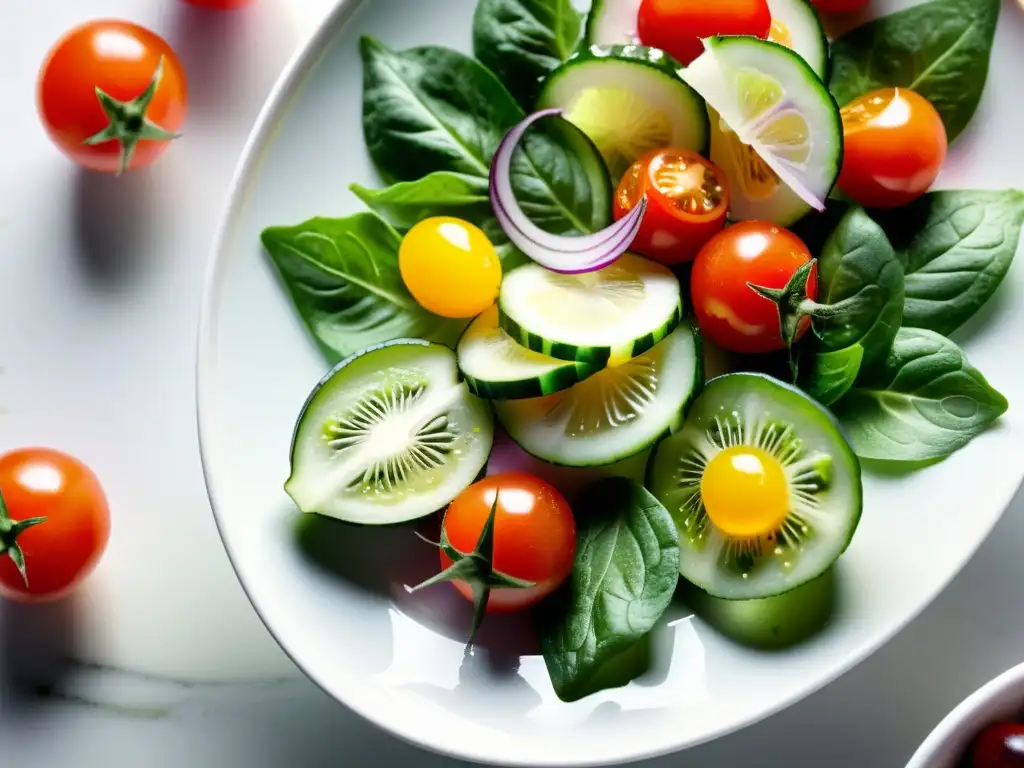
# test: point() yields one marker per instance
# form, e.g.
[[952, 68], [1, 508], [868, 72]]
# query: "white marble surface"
[[100, 280]]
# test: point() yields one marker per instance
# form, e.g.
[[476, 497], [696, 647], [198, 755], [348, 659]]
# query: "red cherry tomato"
[[729, 312], [687, 199], [999, 746], [220, 4], [839, 6], [534, 536], [128, 126], [894, 147], [63, 547], [676, 26]]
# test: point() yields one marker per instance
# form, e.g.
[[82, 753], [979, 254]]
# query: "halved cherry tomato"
[[839, 6], [728, 310], [676, 26], [894, 147], [54, 524], [687, 199], [534, 536], [111, 95]]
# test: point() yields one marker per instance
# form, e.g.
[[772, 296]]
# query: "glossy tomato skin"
[[728, 311], [61, 551], [220, 4], [120, 58], [676, 26], [840, 6], [687, 201], [894, 147], [1000, 745], [534, 536]]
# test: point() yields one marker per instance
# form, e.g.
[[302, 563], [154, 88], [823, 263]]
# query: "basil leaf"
[[342, 276], [625, 572], [442, 194], [859, 268], [833, 374], [521, 41], [928, 403], [939, 49], [957, 247], [431, 109]]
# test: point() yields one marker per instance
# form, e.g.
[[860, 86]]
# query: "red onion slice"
[[568, 254]]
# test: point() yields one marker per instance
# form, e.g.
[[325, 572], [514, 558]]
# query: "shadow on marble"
[[36, 647], [114, 219]]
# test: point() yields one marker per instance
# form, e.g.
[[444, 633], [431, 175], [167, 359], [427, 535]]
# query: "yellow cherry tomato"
[[450, 267]]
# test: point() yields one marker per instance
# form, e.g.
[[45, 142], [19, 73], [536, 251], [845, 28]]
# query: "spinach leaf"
[[442, 194], [832, 374], [957, 247], [625, 572], [939, 49], [521, 41], [429, 110], [342, 276], [928, 403], [859, 268]]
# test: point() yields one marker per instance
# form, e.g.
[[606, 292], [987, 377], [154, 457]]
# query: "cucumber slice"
[[615, 413], [389, 435], [796, 25], [602, 317], [628, 100], [738, 545], [775, 128], [495, 366], [612, 22]]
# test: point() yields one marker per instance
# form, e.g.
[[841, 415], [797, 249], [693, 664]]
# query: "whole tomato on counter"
[[112, 95], [687, 200], [507, 542], [729, 311], [54, 524]]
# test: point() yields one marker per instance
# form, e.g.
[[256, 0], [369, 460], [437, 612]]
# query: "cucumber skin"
[[548, 384], [652, 58], [596, 356], [832, 421]]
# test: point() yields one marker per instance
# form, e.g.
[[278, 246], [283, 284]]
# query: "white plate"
[[1001, 698], [399, 662]]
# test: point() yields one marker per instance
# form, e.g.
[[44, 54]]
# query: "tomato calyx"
[[10, 530], [128, 122], [793, 305], [476, 568]]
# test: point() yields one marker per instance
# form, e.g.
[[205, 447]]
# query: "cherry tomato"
[[839, 6], [111, 95], [61, 523], [729, 312], [687, 199], [450, 267], [999, 746], [676, 26], [534, 536], [895, 144]]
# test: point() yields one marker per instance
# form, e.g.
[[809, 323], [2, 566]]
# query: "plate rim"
[[274, 108]]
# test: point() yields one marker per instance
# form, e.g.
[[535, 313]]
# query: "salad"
[[582, 221]]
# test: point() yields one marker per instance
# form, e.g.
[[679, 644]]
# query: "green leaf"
[[431, 109], [442, 193], [928, 403], [859, 268], [625, 572], [342, 276], [939, 49], [957, 247], [521, 41], [832, 374]]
